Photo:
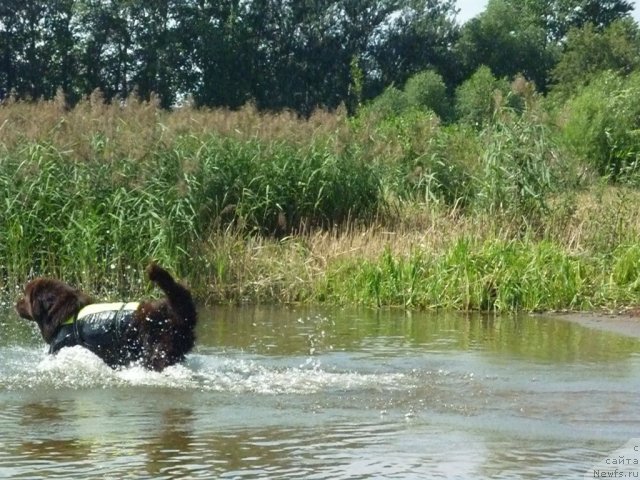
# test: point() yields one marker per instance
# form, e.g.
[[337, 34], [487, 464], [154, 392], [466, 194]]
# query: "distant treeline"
[[299, 55]]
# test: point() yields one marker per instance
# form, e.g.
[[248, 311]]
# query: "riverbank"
[[625, 323], [432, 259], [249, 207]]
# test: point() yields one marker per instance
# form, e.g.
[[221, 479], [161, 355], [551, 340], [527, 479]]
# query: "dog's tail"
[[178, 296]]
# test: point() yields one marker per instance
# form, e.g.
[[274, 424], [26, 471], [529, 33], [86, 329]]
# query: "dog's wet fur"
[[160, 334]]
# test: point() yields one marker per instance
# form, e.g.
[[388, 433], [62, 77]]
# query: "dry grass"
[[134, 129], [595, 220]]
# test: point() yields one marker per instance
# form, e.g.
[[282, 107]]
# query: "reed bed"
[[256, 207]]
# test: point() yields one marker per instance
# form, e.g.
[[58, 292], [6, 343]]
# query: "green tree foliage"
[[390, 103], [275, 53], [424, 92], [562, 15], [24, 47], [589, 51], [219, 58], [281, 54], [602, 123], [479, 98], [512, 36], [417, 36], [557, 17], [427, 90], [103, 43], [152, 37], [509, 38]]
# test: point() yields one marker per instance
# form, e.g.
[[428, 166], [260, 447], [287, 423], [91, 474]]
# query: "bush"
[[588, 51], [388, 104], [601, 125], [480, 97], [475, 98], [426, 90]]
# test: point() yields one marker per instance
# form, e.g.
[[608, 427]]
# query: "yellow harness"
[[97, 308]]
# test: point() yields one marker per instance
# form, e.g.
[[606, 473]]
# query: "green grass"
[[490, 275], [249, 207], [90, 220]]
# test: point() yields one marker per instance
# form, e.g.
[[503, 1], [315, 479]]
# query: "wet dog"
[[155, 334]]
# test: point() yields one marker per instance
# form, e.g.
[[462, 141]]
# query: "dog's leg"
[[178, 297]]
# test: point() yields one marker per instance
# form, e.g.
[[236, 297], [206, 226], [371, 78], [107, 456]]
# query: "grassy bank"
[[476, 265], [249, 207]]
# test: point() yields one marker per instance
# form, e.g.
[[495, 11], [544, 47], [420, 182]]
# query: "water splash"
[[77, 368]]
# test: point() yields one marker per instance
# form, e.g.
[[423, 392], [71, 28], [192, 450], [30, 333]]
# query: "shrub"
[[426, 90], [588, 51], [475, 98], [601, 125], [389, 103], [481, 96]]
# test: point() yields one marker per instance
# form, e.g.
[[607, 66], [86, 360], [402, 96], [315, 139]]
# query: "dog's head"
[[49, 303]]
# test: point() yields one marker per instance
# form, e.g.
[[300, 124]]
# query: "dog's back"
[[103, 329]]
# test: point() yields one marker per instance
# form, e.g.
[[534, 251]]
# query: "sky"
[[470, 8]]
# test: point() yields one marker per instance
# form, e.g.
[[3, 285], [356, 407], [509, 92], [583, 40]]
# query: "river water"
[[326, 394]]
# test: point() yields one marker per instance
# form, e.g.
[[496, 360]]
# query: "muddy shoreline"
[[624, 323]]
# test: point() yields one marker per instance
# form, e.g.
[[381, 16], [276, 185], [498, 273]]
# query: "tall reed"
[[268, 207], [90, 211]]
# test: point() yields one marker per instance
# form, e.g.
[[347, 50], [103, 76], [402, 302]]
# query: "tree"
[[589, 51], [58, 48], [512, 36], [320, 43], [417, 35], [509, 38], [105, 60], [563, 15], [278, 54], [23, 59], [151, 38]]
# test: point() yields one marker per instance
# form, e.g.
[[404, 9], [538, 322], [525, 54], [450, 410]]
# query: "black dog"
[[155, 333]]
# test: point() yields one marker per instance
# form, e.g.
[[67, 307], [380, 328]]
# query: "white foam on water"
[[251, 376], [76, 368]]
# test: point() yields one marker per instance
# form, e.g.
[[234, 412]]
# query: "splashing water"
[[77, 368]]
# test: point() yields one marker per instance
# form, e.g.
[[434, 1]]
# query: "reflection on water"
[[284, 332], [288, 393], [171, 451]]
